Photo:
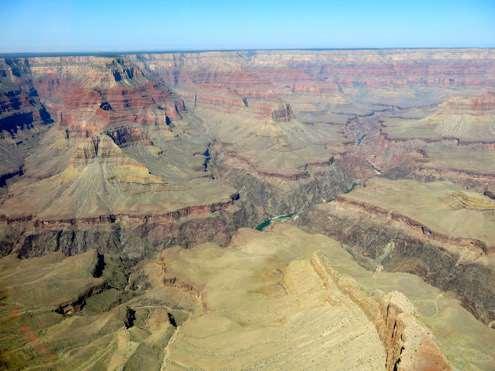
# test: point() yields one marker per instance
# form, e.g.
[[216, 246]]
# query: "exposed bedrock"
[[408, 344], [91, 94], [261, 198], [377, 245], [326, 71], [23, 117], [481, 182], [20, 105], [138, 235], [283, 113], [69, 241], [73, 306], [112, 153], [133, 236], [126, 135]]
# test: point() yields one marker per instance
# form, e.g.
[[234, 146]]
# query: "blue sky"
[[99, 25]]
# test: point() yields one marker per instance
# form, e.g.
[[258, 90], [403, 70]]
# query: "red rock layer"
[[230, 80], [90, 100]]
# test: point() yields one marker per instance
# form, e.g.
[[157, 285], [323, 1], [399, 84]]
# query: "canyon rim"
[[268, 209]]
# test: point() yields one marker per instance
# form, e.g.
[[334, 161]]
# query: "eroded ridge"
[[427, 229], [127, 181]]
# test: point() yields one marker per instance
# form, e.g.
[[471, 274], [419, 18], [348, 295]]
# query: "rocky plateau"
[[248, 210]]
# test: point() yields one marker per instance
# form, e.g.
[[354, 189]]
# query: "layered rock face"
[[346, 97], [89, 94], [20, 104], [389, 152], [431, 230], [270, 293], [22, 116], [79, 184]]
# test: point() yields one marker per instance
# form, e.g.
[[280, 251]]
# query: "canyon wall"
[[134, 153], [378, 243]]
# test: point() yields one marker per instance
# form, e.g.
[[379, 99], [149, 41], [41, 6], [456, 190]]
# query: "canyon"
[[267, 209]]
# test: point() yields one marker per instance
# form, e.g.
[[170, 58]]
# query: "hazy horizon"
[[110, 53], [57, 27]]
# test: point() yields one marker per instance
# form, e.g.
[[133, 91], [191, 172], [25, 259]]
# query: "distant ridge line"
[[193, 51]]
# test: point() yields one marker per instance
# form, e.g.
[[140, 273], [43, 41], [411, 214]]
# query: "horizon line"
[[178, 51]]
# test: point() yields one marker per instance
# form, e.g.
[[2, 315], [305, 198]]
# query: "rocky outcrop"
[[368, 238], [283, 113], [261, 198], [470, 179], [89, 94], [409, 345], [479, 248], [74, 306], [129, 318], [20, 105], [23, 117], [124, 136], [113, 233], [477, 104], [71, 241]]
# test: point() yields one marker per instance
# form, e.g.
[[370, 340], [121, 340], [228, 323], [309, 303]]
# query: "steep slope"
[[269, 293], [89, 178], [388, 152], [22, 116], [435, 230]]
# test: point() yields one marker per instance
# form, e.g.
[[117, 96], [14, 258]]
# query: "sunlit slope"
[[77, 178], [249, 305], [441, 206], [466, 118]]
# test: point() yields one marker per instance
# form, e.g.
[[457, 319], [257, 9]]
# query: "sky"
[[145, 25]]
